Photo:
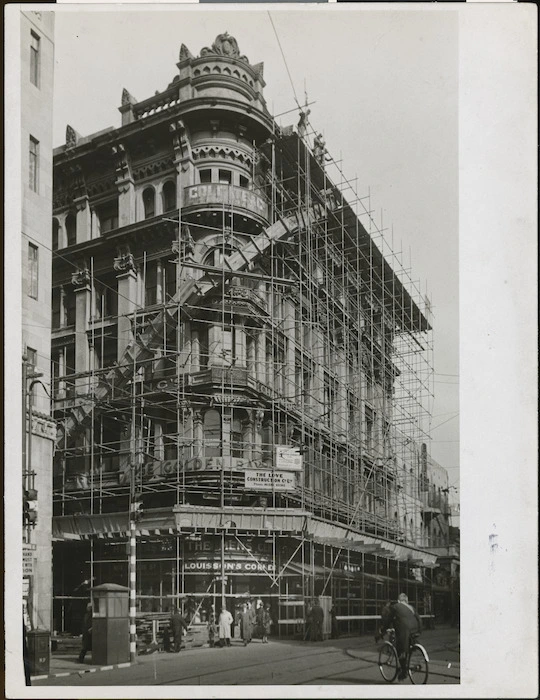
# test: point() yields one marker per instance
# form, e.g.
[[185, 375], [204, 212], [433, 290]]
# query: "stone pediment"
[[224, 45]]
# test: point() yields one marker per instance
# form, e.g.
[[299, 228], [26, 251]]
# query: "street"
[[345, 661]]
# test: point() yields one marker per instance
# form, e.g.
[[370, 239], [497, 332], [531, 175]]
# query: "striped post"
[[132, 591]]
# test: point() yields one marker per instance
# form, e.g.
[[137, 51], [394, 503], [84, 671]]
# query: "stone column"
[[127, 299], [258, 417], [197, 433], [215, 347], [250, 354], [159, 282], [260, 353], [195, 362], [290, 350], [247, 436], [84, 219], [240, 332], [126, 186], [61, 372], [159, 446], [185, 349], [183, 159], [226, 428], [81, 282]]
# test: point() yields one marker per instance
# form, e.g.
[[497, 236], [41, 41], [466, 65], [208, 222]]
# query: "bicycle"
[[417, 660]]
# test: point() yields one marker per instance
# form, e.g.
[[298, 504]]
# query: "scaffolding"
[[307, 332]]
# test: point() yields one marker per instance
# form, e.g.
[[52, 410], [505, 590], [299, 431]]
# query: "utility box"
[[39, 655], [110, 624]]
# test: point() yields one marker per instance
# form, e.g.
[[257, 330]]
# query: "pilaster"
[[124, 264], [81, 283], [126, 186]]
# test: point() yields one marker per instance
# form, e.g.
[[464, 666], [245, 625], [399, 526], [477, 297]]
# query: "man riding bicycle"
[[404, 619]]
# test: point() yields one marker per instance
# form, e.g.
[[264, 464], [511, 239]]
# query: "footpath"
[[442, 644]]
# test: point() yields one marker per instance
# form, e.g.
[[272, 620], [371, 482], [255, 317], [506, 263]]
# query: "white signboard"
[[28, 559], [289, 458], [269, 480]]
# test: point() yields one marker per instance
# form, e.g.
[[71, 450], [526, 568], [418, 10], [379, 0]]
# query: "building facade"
[[39, 430], [235, 364]]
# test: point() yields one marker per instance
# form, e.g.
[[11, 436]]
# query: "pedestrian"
[[259, 621], [385, 621], [317, 619], [266, 623], [307, 634], [212, 627], [224, 625], [246, 624], [335, 630], [86, 633], [178, 624], [404, 619]]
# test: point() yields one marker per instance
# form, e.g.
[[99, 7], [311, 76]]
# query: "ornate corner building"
[[235, 359]]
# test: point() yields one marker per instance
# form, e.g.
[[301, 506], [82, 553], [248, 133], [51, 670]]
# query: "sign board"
[[28, 559], [270, 480], [26, 587], [288, 457]]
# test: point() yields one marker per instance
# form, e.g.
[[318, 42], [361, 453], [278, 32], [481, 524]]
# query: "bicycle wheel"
[[418, 665], [388, 662]]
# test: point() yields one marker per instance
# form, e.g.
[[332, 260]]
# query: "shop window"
[[149, 202], [205, 176], [55, 234], [212, 433], [108, 216], [71, 229], [225, 177], [169, 196]]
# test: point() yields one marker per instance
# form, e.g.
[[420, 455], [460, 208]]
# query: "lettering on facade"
[[270, 480], [171, 467]]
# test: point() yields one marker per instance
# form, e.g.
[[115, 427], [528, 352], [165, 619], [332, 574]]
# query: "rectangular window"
[[108, 216], [225, 177], [33, 271], [244, 182], [33, 164], [34, 58], [31, 355], [205, 176]]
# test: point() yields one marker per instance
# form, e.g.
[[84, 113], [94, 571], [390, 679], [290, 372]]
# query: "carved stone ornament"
[[224, 45], [185, 53], [127, 98], [71, 137], [125, 262], [81, 278]]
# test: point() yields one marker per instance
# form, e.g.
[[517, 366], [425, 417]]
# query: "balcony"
[[214, 195]]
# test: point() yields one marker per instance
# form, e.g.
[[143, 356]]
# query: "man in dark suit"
[[178, 624], [404, 619]]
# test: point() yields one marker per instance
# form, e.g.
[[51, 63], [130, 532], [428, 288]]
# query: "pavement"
[[348, 660]]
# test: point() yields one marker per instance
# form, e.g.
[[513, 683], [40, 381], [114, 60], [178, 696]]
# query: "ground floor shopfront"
[[195, 571]]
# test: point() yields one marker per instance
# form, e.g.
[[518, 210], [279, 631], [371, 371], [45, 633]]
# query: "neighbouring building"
[[234, 360], [39, 430]]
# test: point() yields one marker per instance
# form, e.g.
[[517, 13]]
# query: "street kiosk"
[[110, 624]]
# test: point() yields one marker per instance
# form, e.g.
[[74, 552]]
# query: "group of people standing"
[[253, 619]]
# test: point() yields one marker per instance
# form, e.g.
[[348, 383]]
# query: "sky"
[[385, 91]]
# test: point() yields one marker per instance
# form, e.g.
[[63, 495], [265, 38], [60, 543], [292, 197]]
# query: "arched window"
[[169, 196], [212, 433], [71, 229], [55, 234], [149, 202], [215, 256]]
